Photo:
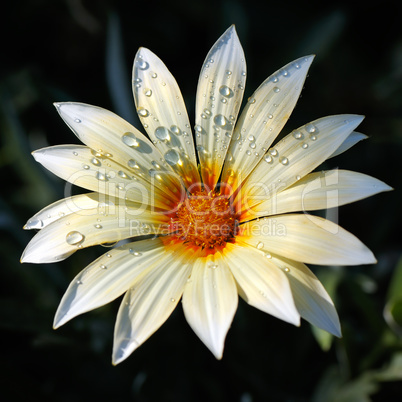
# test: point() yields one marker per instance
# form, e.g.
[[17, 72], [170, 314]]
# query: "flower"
[[237, 225]]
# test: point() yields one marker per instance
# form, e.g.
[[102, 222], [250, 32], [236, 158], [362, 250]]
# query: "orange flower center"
[[206, 220]]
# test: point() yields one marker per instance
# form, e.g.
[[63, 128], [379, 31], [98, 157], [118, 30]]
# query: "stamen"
[[206, 220]]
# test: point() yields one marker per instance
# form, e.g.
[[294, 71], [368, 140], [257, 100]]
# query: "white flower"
[[235, 226]]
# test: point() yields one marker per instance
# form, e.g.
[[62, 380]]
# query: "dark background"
[[80, 50]]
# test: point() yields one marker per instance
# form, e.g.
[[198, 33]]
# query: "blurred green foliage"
[[82, 51]]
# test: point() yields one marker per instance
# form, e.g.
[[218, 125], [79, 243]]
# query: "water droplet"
[[122, 174], [162, 134], [96, 162], [220, 120], [101, 177], [77, 120], [252, 145], [34, 224], [267, 255], [147, 92], [284, 161], [260, 245], [251, 138], [175, 130], [313, 137], [133, 164], [268, 158], [75, 238], [225, 91], [276, 89], [130, 140], [298, 135], [298, 177], [172, 157], [135, 253], [142, 112], [142, 64], [97, 226], [103, 266], [251, 100], [172, 300], [305, 146], [273, 152], [310, 128]]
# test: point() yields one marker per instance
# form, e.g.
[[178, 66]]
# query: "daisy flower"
[[207, 221]]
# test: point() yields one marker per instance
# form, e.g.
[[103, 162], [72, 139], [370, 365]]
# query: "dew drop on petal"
[[75, 238], [162, 134], [135, 253], [142, 112], [268, 158], [175, 130], [260, 245], [101, 177], [284, 161], [220, 120], [225, 91], [298, 135], [142, 64], [95, 161], [130, 140], [310, 128], [172, 157]]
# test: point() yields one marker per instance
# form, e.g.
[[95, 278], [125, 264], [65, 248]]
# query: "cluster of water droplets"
[[175, 137]]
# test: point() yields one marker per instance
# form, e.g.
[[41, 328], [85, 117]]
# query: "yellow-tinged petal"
[[108, 277], [261, 283], [66, 206], [219, 96], [350, 141], [295, 156], [150, 300], [311, 299], [210, 301], [161, 109], [262, 119], [110, 135], [106, 224], [319, 190], [306, 238], [81, 166]]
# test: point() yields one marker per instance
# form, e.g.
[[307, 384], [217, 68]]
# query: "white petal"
[[351, 140], [210, 301], [219, 96], [75, 204], [150, 300], [319, 190], [261, 283], [306, 238], [263, 118], [108, 134], [311, 299], [162, 111], [108, 277], [297, 155], [106, 224], [78, 165]]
